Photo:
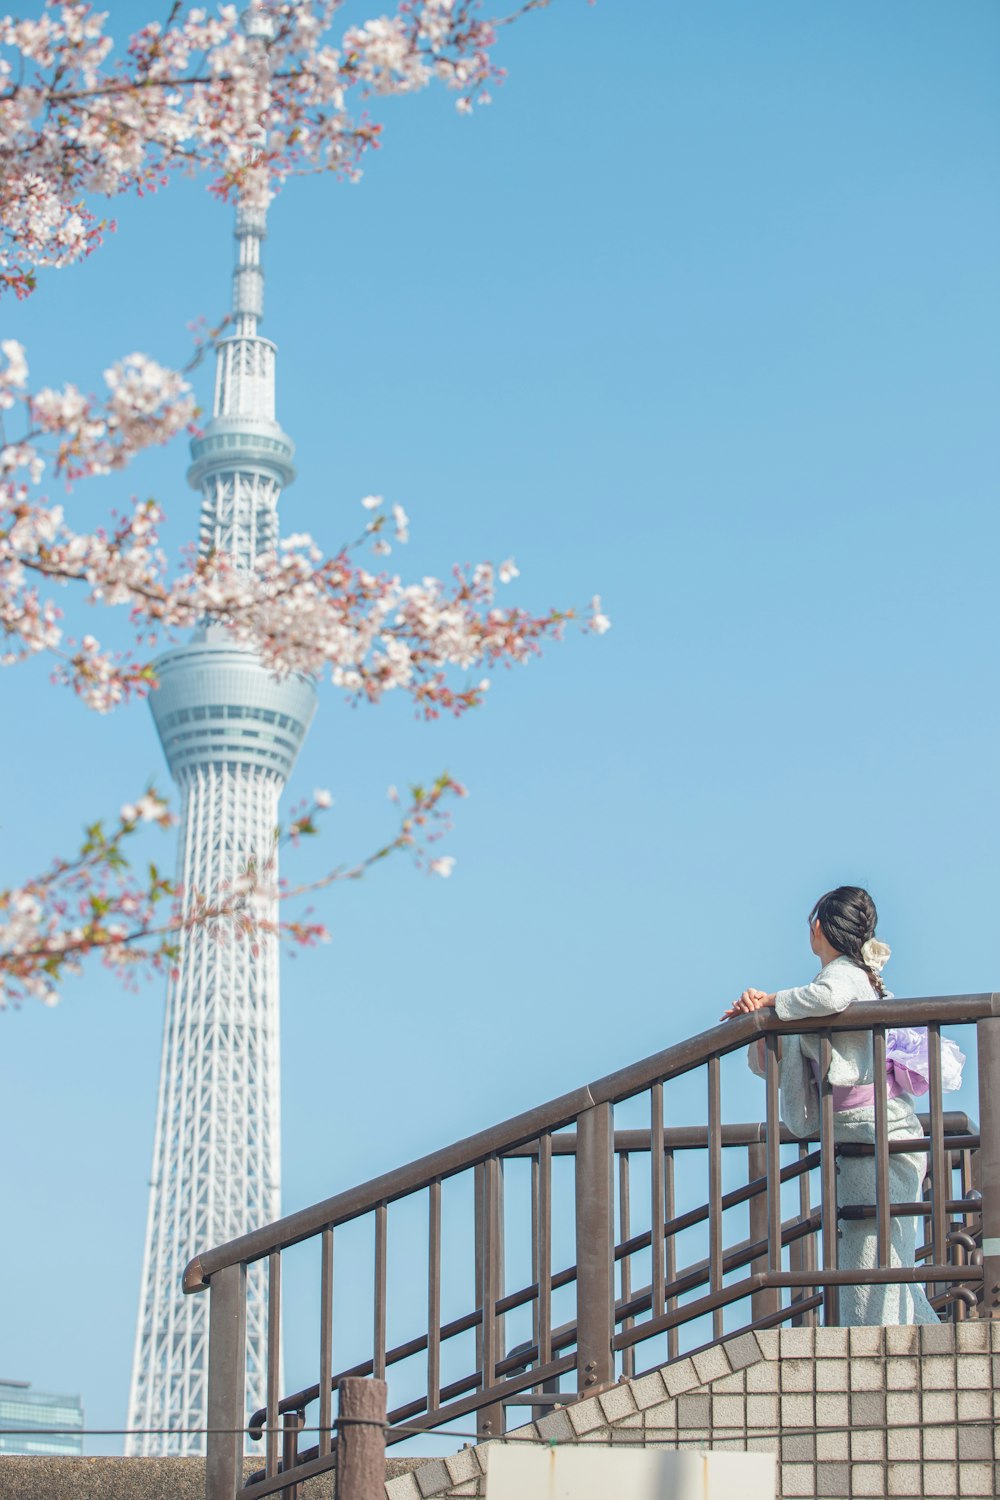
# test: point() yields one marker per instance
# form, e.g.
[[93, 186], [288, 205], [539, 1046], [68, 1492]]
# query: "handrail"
[[717, 1042], [955, 1124], [695, 1137]]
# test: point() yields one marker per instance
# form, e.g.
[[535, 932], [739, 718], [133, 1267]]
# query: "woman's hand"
[[748, 1001]]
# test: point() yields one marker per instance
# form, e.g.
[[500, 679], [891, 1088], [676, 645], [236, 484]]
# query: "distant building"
[[22, 1408]]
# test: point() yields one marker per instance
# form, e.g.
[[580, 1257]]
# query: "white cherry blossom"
[[82, 122]]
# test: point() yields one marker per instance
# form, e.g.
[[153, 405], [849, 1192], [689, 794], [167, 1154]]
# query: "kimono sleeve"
[[799, 1094], [821, 998], [755, 1058]]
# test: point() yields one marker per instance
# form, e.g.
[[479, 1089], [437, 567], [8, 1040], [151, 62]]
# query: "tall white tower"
[[231, 732]]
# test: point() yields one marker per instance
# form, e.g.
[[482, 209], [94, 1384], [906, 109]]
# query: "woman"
[[842, 935]]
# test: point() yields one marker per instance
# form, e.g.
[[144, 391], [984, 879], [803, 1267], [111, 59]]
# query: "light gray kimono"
[[835, 987]]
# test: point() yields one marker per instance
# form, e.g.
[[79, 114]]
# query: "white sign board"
[[519, 1471]]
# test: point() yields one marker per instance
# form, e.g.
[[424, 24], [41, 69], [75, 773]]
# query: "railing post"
[[802, 1252], [769, 1299], [291, 1423], [595, 1290], [988, 1038], [489, 1249], [828, 1182], [361, 1439], [227, 1340]]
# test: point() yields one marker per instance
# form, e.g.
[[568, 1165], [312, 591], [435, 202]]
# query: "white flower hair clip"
[[876, 955]]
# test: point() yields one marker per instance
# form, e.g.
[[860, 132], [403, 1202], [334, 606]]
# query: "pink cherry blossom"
[[248, 103], [96, 904]]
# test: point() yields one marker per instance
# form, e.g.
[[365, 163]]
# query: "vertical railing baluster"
[[967, 1185], [326, 1341], [772, 1141], [595, 1289], [378, 1331], [273, 1361], [625, 1228], [227, 1361], [968, 1220], [673, 1334], [715, 1188], [959, 1311], [882, 1188], [479, 1252], [809, 1319], [938, 1171], [544, 1248], [500, 1264], [535, 1277], [828, 1180], [988, 1049], [766, 1300], [434, 1296], [801, 1252], [541, 1264], [656, 1195], [925, 1250], [490, 1421]]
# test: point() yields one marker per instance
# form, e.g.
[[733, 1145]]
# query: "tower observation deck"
[[231, 732]]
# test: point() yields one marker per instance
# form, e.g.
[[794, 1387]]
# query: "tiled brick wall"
[[903, 1412]]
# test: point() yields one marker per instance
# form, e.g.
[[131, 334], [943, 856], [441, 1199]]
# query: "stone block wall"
[[903, 1412]]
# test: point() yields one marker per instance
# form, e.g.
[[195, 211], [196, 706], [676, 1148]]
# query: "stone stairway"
[[904, 1412]]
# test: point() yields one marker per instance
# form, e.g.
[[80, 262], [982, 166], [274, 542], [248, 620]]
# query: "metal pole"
[[326, 1341], [595, 1196], [656, 1205], [489, 1285], [434, 1297], [715, 1188], [988, 1035], [625, 1230], [769, 1300], [227, 1341], [543, 1265], [882, 1194], [361, 1439], [828, 1181], [272, 1385], [291, 1423]]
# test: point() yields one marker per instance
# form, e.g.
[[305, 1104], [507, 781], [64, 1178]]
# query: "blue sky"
[[701, 315]]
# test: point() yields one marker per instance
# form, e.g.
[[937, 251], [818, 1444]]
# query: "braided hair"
[[847, 919]]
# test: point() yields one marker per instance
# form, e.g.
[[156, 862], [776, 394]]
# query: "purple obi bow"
[[907, 1067], [907, 1060]]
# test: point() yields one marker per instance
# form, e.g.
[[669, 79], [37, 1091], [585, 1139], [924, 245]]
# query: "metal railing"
[[779, 1268]]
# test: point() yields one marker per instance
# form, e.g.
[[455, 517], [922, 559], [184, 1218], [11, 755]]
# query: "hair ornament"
[[876, 955]]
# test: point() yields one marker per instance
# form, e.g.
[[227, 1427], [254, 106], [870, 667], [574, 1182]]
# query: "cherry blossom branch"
[[96, 905], [250, 107], [298, 610], [200, 93]]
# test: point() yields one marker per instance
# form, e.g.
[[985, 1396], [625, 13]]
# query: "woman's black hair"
[[847, 919]]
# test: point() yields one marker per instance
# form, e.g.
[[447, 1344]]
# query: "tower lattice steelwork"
[[231, 732]]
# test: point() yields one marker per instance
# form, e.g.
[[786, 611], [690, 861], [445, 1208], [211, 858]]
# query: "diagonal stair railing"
[[589, 1319]]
